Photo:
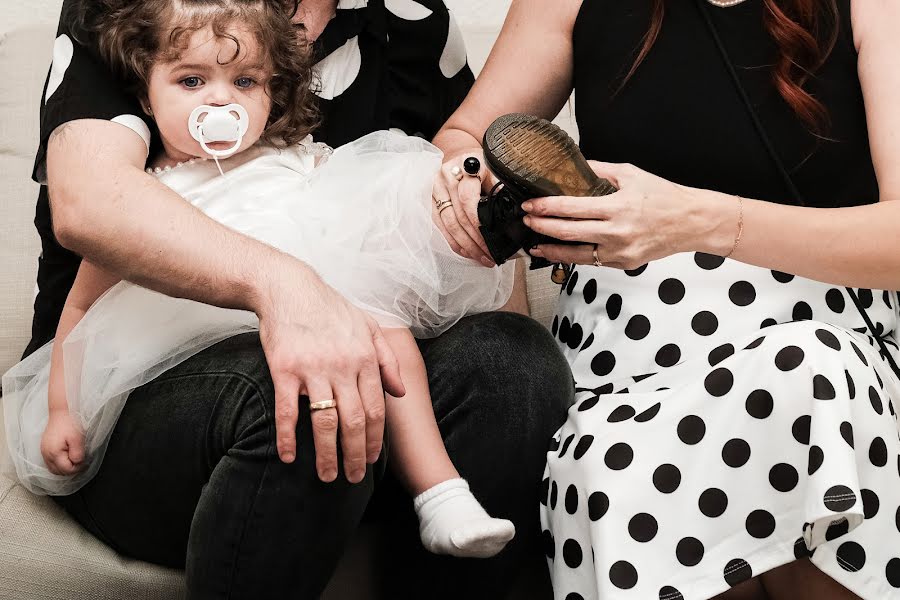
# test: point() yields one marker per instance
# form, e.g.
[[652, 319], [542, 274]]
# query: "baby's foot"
[[451, 521]]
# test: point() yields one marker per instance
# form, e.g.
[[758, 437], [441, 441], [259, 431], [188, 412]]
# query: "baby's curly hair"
[[133, 35]]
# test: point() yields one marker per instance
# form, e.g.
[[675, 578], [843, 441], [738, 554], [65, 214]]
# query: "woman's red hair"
[[804, 31]]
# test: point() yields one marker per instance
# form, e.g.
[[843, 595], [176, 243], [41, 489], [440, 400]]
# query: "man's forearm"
[[107, 209]]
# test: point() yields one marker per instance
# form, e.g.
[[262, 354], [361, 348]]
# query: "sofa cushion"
[[46, 555]]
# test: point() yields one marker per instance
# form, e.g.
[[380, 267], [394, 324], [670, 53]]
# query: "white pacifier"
[[219, 125]]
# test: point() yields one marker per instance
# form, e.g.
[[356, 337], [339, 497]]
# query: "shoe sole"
[[536, 158]]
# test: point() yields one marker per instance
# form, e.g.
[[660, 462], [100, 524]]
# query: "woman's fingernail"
[[357, 476], [527, 206], [527, 220], [288, 457], [329, 476], [373, 457]]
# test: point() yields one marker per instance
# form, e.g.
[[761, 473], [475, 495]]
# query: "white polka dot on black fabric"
[[689, 552], [737, 571], [691, 430], [789, 358], [589, 293], [760, 524], [871, 503], [583, 445], [878, 452], [642, 527], [623, 575], [759, 404], [603, 363], [823, 389], [851, 556], [708, 262], [713, 503], [572, 554], [839, 498], [571, 500], [783, 477], [668, 355], [816, 458], [800, 429], [736, 453], [704, 323], [619, 456], [719, 382], [671, 291], [742, 293]]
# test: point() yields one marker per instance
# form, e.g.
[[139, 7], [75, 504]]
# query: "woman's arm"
[[529, 70], [855, 246]]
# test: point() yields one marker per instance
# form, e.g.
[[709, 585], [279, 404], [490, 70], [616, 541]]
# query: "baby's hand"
[[62, 444]]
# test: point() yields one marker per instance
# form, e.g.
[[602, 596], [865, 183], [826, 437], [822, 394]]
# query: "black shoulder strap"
[[779, 165]]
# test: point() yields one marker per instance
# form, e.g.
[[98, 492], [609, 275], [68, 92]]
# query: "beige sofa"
[[44, 554]]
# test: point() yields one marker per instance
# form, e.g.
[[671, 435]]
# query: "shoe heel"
[[539, 159]]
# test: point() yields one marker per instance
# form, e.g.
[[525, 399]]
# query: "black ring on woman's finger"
[[472, 166]]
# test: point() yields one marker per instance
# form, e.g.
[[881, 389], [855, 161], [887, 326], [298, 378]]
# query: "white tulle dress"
[[360, 216]]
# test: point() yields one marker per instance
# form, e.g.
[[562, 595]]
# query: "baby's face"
[[197, 77]]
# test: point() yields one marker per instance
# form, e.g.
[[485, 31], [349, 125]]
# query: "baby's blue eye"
[[191, 82], [244, 82]]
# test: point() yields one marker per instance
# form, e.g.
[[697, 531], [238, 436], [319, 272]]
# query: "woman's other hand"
[[458, 221], [647, 219]]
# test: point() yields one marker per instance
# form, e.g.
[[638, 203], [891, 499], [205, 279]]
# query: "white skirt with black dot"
[[729, 419]]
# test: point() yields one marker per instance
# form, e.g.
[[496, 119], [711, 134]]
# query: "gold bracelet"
[[740, 227]]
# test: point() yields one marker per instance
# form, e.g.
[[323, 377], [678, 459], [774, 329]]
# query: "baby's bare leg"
[[451, 521]]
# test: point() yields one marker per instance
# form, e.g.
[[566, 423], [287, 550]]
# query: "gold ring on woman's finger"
[[440, 206], [597, 262], [322, 404]]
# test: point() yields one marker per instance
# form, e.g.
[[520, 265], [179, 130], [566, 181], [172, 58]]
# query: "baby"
[[230, 80]]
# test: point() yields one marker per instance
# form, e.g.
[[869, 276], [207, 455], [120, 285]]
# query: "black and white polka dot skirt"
[[730, 419]]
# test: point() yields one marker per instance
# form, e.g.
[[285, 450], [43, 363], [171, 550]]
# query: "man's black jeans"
[[192, 477]]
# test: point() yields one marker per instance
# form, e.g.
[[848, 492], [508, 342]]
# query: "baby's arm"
[[451, 521], [62, 444]]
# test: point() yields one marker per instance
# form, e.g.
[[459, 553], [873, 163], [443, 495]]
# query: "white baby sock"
[[451, 521]]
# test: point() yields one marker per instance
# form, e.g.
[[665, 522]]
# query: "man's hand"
[[314, 15], [320, 346]]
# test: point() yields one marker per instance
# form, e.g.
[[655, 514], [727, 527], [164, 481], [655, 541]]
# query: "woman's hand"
[[459, 220], [647, 219]]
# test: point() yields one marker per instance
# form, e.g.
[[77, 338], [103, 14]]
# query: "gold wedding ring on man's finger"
[[322, 404]]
